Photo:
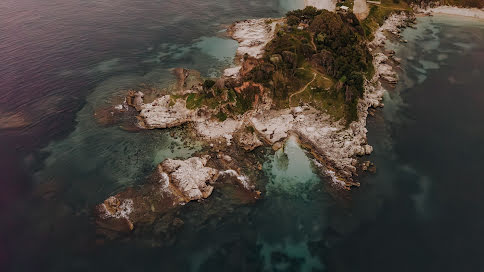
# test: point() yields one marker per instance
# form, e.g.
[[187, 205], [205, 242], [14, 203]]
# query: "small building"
[[302, 26]]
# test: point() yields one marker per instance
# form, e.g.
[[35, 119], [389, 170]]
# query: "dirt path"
[[313, 44], [302, 89]]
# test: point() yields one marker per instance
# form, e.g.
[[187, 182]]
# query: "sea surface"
[[61, 60]]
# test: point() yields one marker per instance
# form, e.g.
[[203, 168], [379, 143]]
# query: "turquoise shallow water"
[[65, 59]]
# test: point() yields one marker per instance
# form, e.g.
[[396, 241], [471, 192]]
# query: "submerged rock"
[[10, 120]]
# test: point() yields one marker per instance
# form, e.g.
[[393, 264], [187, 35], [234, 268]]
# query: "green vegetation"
[[379, 13], [226, 101], [221, 116], [319, 58], [197, 100], [320, 94], [317, 42], [244, 100], [250, 129], [207, 84]]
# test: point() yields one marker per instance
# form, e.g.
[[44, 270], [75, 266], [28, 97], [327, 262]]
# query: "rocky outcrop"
[[253, 35], [273, 125], [181, 75], [247, 139], [214, 130], [394, 25], [135, 99], [165, 113], [384, 70], [175, 182], [331, 142], [187, 179]]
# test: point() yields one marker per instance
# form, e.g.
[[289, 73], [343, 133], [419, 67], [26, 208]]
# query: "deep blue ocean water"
[[61, 60]]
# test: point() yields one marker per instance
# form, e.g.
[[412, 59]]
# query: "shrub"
[[208, 84], [221, 116], [292, 20]]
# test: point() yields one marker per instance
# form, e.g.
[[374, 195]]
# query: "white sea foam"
[[244, 180], [124, 210]]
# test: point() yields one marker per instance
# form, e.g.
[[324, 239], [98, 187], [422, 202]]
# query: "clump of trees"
[[305, 15], [334, 43], [342, 53]]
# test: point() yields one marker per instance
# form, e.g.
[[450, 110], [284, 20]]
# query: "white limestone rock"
[[253, 35], [160, 114], [191, 177]]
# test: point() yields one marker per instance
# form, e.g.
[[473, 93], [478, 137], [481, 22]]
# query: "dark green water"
[[420, 212]]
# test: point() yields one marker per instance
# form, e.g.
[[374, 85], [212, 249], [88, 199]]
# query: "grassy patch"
[[198, 100], [379, 13], [250, 129], [221, 116], [320, 95]]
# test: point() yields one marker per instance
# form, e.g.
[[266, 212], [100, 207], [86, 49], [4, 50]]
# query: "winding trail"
[[302, 89], [313, 44]]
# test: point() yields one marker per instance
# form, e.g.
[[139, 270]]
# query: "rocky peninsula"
[[313, 74]]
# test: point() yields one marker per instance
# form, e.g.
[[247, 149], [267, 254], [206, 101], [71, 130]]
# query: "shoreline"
[[454, 11]]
